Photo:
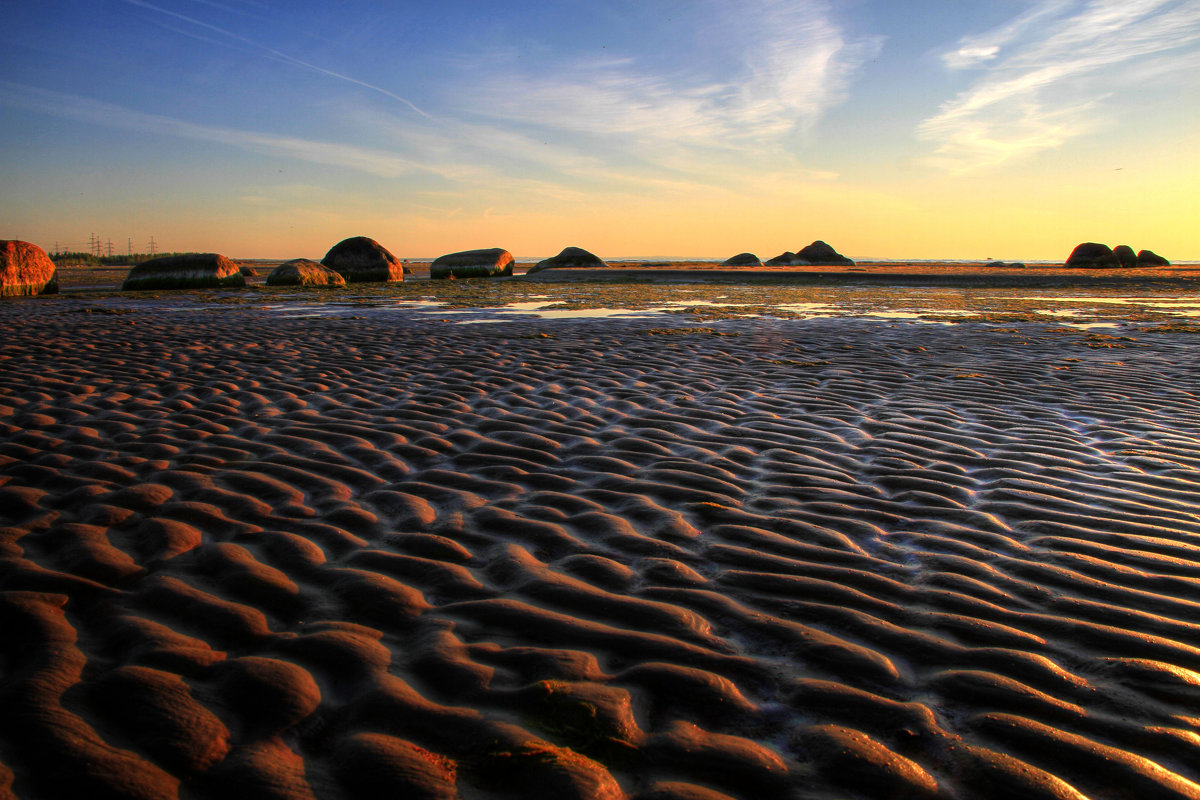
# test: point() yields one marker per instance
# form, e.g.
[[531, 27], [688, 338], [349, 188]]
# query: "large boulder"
[[1125, 255], [25, 269], [820, 254], [1148, 258], [1093, 255], [189, 271], [304, 272], [784, 259], [362, 260], [490, 262], [569, 258], [742, 260]]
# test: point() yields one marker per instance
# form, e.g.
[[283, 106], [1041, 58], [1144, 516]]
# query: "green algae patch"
[[1173, 327], [686, 332]]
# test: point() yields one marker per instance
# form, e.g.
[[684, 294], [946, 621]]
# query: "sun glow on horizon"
[[688, 130]]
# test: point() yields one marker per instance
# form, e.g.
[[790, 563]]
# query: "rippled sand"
[[244, 555]]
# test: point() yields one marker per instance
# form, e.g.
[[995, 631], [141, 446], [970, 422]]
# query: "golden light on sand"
[[761, 537]]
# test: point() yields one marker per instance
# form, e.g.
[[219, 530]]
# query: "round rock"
[[1093, 255], [304, 272], [821, 254], [363, 260], [742, 260], [491, 262], [25, 269], [189, 271], [1148, 258], [570, 258], [1125, 255], [784, 259]]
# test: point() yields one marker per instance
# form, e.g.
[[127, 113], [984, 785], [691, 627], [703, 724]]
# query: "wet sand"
[[249, 555]]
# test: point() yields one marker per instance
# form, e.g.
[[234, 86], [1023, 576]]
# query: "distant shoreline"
[[910, 273]]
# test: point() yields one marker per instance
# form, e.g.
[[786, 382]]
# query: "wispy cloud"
[[373, 161], [447, 157], [974, 51], [272, 53], [791, 64], [1048, 70]]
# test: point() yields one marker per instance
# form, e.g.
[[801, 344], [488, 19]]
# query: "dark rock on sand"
[[25, 269], [248, 271], [304, 272], [1148, 258], [189, 271], [487, 263], [1093, 255], [784, 259], [1006, 264], [363, 260], [570, 258], [742, 260], [1125, 255], [820, 254]]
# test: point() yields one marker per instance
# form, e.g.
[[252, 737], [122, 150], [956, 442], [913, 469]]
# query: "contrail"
[[279, 56]]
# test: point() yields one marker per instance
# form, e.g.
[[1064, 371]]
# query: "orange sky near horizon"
[[1011, 131]]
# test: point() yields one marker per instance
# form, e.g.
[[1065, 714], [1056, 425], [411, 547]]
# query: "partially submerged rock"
[[784, 259], [1093, 255], [820, 254], [248, 271], [25, 269], [570, 258], [363, 260], [1148, 258], [1125, 255], [189, 271], [742, 260], [490, 262], [304, 272]]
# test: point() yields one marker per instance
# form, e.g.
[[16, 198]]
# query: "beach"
[[294, 545]]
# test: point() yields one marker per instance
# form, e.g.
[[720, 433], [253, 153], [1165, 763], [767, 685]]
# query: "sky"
[[1008, 129]]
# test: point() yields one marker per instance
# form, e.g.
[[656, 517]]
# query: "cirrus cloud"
[[1046, 72]]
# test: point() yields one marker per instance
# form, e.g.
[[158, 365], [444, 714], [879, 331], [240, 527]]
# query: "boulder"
[[304, 272], [1093, 255], [569, 258], [248, 271], [189, 271], [742, 260], [1005, 264], [487, 263], [820, 254], [785, 259], [25, 269], [1148, 258], [1125, 255], [362, 260]]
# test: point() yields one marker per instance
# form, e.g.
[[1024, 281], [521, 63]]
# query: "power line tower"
[[94, 245], [153, 246], [129, 246], [110, 250]]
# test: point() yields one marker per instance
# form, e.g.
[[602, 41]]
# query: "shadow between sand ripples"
[[308, 557]]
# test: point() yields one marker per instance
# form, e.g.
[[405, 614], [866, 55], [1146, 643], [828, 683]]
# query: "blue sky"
[[1013, 128]]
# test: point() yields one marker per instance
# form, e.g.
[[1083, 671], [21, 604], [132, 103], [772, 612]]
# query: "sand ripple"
[[250, 556]]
